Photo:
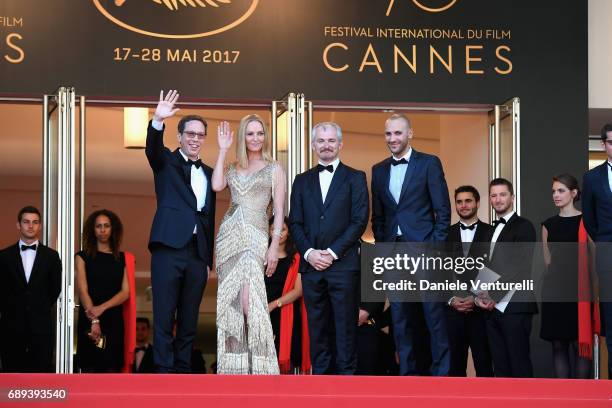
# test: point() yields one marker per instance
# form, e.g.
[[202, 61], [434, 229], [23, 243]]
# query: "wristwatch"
[[450, 301], [279, 304]]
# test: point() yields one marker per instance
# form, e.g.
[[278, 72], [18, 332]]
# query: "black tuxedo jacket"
[[423, 211], [337, 223], [26, 307], [478, 248], [177, 211], [514, 262], [597, 204], [147, 365]]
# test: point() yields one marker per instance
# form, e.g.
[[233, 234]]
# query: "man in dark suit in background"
[[368, 338], [30, 282], [511, 255], [410, 204], [597, 216], [329, 213], [466, 323], [143, 355], [182, 234]]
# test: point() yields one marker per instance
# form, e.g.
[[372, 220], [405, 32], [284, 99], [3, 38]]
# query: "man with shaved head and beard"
[[410, 204]]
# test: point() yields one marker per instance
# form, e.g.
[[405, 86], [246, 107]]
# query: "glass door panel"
[[504, 142], [59, 163], [291, 124]]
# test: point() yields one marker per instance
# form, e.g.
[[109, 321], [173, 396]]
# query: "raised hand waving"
[[225, 135], [165, 107]]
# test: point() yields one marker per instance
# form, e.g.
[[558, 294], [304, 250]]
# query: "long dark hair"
[[289, 244], [90, 243]]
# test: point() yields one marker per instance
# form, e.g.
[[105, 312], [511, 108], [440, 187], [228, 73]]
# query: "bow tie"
[[400, 161], [144, 348], [500, 221], [321, 168], [467, 227], [25, 247], [197, 163]]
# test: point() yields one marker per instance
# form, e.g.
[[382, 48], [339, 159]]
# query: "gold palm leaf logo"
[[423, 6], [228, 15], [174, 5]]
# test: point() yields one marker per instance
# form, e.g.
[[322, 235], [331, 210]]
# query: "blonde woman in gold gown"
[[245, 343]]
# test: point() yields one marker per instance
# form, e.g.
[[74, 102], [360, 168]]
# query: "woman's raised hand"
[[225, 135]]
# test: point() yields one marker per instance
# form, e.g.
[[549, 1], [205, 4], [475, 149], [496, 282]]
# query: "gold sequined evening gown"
[[245, 345]]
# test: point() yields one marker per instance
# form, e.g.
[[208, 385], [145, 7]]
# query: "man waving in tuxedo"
[[181, 241], [329, 213], [410, 203]]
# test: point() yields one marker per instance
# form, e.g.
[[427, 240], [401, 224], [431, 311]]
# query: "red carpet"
[[202, 391]]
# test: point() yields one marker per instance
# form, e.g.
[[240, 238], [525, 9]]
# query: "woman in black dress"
[[560, 317], [102, 285], [284, 290]]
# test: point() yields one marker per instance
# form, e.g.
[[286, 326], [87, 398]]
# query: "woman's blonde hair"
[[241, 150]]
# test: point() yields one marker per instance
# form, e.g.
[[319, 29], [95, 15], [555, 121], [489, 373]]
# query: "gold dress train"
[[245, 345]]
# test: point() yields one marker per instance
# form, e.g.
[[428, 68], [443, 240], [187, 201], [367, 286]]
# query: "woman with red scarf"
[[568, 324], [287, 310]]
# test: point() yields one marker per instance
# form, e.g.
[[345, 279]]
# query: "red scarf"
[[129, 315], [286, 325], [587, 324]]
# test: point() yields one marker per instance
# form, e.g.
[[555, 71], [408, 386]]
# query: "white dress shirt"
[[503, 302], [325, 179], [610, 174], [199, 183], [139, 355], [396, 179], [467, 236], [27, 258], [498, 230]]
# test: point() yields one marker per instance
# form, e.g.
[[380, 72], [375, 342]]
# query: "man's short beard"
[[470, 216], [505, 210]]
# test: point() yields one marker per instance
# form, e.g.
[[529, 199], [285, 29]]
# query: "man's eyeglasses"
[[608, 142], [192, 135]]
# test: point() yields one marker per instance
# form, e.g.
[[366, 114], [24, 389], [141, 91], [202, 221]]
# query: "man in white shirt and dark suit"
[[465, 322], [30, 282], [410, 204], [143, 354], [511, 255], [182, 234], [329, 213], [597, 216]]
